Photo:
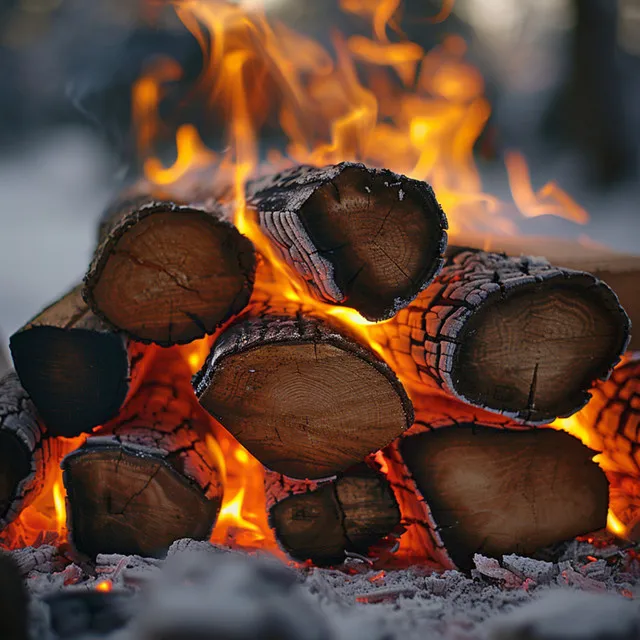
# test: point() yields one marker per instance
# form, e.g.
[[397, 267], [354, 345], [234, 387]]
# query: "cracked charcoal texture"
[[431, 340], [315, 219]]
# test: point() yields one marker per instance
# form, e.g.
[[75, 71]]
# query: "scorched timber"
[[306, 400], [366, 238], [323, 522], [168, 269], [483, 490], [511, 335], [22, 458], [148, 478], [77, 370]]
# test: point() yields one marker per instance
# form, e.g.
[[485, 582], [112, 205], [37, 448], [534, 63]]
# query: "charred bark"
[[366, 238]]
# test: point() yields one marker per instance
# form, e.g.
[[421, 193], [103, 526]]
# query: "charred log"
[[148, 478], [499, 492], [304, 399], [22, 457], [168, 270], [511, 335], [323, 522], [366, 238], [76, 369]]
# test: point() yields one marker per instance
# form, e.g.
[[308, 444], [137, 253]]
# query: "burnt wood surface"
[[323, 522], [169, 266], [511, 335], [497, 492], [366, 238], [77, 370], [22, 450], [148, 478], [306, 400]]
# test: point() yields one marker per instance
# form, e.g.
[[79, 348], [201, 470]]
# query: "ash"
[[201, 591]]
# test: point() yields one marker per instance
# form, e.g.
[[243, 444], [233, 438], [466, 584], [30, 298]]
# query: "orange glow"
[[104, 586], [60, 508]]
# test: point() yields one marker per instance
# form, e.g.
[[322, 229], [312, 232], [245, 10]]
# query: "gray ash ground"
[[204, 591]]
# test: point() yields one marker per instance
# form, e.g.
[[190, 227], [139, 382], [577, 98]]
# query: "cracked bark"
[[324, 521], [169, 266], [77, 370], [510, 335], [306, 399], [147, 478], [467, 488], [366, 238]]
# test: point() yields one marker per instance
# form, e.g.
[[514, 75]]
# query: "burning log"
[[22, 458], [324, 521], [511, 335], [76, 369], [167, 269], [305, 400], [147, 479], [367, 238], [497, 492], [619, 271]]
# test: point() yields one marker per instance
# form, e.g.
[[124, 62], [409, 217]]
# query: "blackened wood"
[[148, 478], [22, 455], [169, 267], [322, 522], [77, 370], [511, 335], [499, 492], [620, 271], [305, 399], [366, 238], [14, 601]]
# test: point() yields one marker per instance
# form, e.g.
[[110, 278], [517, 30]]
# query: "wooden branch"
[[511, 335], [322, 522], [77, 370], [304, 399], [496, 492], [148, 478], [620, 271], [168, 270], [22, 459], [366, 238]]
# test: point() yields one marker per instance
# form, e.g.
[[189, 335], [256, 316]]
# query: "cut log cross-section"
[[323, 522], [77, 370], [366, 238], [511, 335], [496, 492], [168, 270], [147, 479], [304, 399], [22, 458]]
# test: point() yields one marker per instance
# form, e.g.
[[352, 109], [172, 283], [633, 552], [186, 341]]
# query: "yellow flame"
[[615, 525], [59, 504]]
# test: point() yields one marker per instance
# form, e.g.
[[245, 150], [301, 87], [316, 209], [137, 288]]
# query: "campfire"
[[343, 350]]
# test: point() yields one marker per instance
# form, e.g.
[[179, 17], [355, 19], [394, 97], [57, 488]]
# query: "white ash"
[[206, 591]]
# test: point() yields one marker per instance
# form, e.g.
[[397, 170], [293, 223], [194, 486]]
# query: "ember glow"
[[378, 99]]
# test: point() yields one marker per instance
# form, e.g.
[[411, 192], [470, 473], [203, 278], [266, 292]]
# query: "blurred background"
[[562, 76]]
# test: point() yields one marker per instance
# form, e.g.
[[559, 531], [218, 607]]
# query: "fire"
[[104, 586]]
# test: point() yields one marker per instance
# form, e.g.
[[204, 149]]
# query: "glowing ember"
[[104, 586]]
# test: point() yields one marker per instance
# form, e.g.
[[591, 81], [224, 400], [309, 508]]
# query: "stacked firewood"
[[421, 418]]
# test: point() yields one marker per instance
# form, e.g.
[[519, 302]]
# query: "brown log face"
[[123, 500], [172, 277], [348, 515], [497, 492], [539, 348], [377, 237], [306, 403], [15, 465]]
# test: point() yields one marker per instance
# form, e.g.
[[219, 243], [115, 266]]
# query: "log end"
[[533, 351], [15, 466], [170, 274], [349, 515], [498, 492], [131, 499], [383, 234], [55, 363]]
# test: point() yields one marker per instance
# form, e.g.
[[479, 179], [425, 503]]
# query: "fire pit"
[[291, 359]]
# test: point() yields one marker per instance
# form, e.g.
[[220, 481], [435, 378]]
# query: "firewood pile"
[[392, 387]]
